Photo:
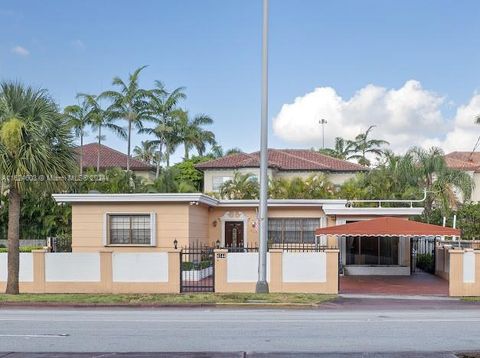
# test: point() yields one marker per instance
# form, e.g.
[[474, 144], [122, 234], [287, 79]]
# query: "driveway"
[[419, 283]]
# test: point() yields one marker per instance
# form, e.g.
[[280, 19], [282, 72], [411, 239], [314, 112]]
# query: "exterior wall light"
[[175, 244]]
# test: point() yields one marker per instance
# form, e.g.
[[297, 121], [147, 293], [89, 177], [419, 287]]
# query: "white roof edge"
[[373, 211], [137, 197]]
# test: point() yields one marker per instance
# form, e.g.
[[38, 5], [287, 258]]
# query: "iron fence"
[[197, 269]]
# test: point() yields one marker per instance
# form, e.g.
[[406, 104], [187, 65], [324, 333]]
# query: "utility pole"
[[262, 285], [323, 122]]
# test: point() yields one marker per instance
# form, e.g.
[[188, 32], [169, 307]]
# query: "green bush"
[[23, 248], [191, 266], [425, 262]]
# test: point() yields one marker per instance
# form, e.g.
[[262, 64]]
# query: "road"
[[250, 330]]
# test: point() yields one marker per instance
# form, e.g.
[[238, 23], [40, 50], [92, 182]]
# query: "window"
[[292, 230], [130, 229], [218, 181]]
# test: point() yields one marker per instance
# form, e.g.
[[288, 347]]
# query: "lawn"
[[170, 299], [471, 299]]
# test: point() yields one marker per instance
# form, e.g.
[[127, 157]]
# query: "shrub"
[[425, 262], [23, 248]]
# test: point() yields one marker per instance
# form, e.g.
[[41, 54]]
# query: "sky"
[[411, 68]]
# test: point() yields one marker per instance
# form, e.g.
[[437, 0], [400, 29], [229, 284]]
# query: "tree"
[[129, 103], [342, 150], [192, 134], [163, 113], [99, 119], [316, 186], [78, 117], [35, 141], [431, 173], [362, 146], [477, 119], [241, 186], [145, 152]]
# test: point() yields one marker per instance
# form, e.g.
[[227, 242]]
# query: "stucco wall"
[[198, 225], [172, 222], [476, 191], [209, 174]]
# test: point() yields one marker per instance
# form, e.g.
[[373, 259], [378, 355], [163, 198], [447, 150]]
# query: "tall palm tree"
[[129, 103], [192, 134], [430, 170], [342, 150], [78, 116], [163, 113], [35, 141], [241, 186], [101, 119], [362, 146], [145, 152]]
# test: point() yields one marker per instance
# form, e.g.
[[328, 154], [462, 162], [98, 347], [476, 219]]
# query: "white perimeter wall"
[[140, 267], [72, 267], [243, 267], [469, 267], [26, 267], [304, 267]]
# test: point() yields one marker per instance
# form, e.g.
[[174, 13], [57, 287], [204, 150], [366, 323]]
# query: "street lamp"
[[323, 122], [262, 285]]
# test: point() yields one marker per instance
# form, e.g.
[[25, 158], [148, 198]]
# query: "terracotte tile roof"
[[388, 226], [109, 158], [463, 161], [284, 159]]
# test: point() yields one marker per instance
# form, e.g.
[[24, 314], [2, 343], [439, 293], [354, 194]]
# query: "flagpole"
[[262, 285]]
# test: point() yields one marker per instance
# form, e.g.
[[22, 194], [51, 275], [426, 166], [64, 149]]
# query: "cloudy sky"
[[412, 68]]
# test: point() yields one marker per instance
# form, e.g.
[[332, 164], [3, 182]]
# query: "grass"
[[169, 299], [471, 299]]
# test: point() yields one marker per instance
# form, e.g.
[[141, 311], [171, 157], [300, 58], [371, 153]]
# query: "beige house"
[[468, 162], [282, 163], [159, 222]]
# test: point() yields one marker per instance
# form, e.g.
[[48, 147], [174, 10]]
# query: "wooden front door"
[[233, 233]]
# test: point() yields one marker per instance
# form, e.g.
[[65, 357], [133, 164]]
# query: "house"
[[468, 162], [111, 158], [127, 223], [282, 163]]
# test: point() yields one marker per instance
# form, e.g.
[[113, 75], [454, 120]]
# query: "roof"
[[284, 159], [109, 158], [388, 226], [469, 161], [329, 206]]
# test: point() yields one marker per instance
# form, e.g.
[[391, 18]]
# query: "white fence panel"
[[469, 267], [304, 267], [243, 267], [72, 267], [140, 267], [26, 267]]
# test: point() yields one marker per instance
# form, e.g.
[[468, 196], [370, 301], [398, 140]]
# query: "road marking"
[[61, 335]]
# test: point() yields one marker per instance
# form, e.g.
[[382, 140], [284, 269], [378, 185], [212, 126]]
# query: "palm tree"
[[163, 113], [35, 141], [241, 186], [100, 119], [192, 135], [145, 152], [129, 103], [234, 150], [477, 119], [362, 146], [342, 150], [79, 118], [429, 169]]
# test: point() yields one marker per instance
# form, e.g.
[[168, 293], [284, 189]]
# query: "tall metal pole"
[[262, 285], [323, 122]]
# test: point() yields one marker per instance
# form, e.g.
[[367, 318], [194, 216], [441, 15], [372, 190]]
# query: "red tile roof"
[[469, 161], [388, 226], [284, 159], [109, 158]]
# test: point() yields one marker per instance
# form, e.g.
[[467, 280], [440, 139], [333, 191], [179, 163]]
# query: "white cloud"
[[78, 45], [407, 116], [20, 51]]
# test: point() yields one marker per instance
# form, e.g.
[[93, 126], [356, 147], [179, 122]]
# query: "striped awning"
[[387, 226]]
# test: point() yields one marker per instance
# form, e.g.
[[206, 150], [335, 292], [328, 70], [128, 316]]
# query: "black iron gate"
[[422, 254], [197, 269]]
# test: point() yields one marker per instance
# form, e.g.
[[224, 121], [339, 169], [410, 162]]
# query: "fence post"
[[332, 271], [455, 275], [220, 263], [106, 271], [38, 257], [174, 270], [276, 270]]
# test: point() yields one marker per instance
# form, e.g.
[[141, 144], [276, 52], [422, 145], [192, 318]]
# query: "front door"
[[233, 233]]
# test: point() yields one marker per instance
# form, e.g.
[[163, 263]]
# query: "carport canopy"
[[388, 226]]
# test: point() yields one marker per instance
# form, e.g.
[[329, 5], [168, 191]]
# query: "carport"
[[375, 256]]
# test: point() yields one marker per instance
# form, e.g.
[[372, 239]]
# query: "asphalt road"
[[244, 330]]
